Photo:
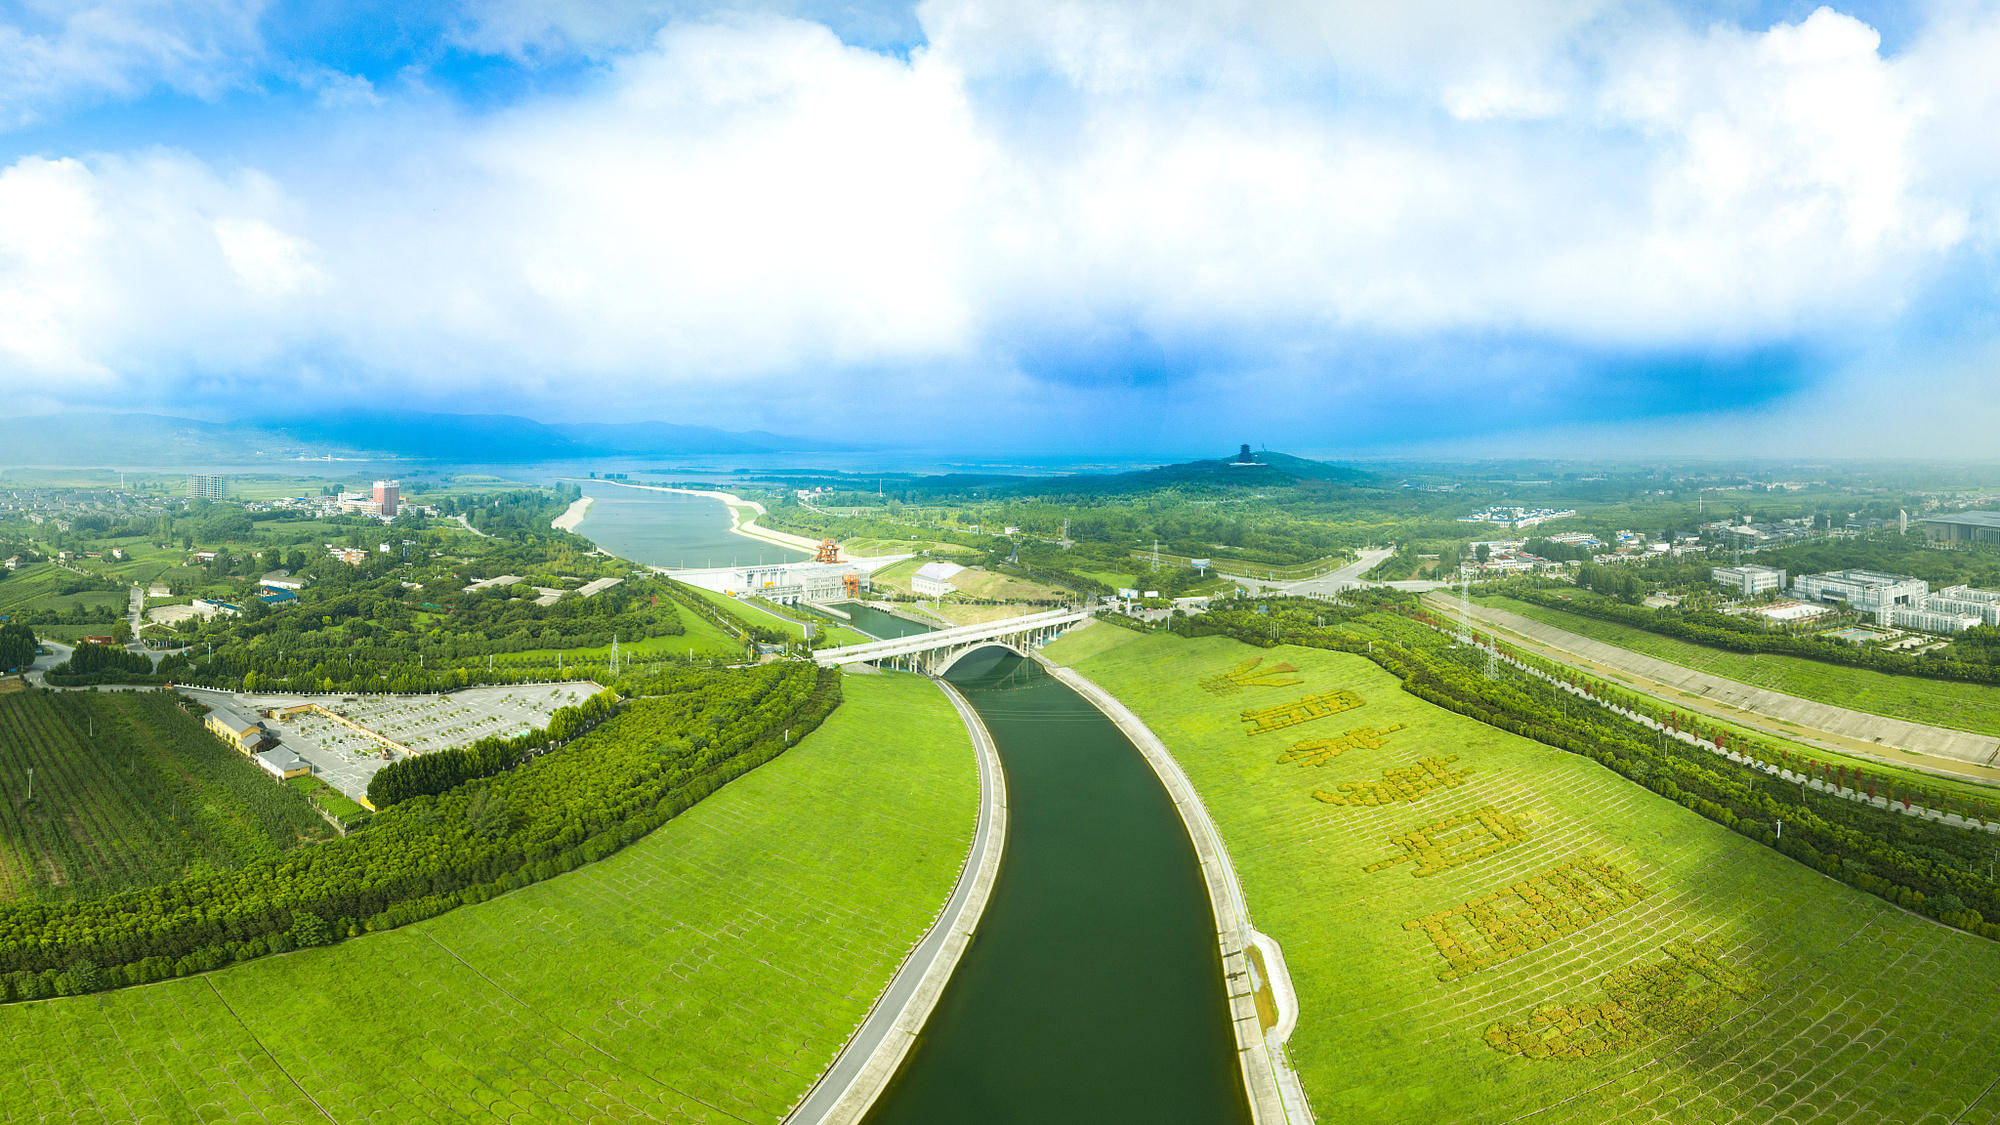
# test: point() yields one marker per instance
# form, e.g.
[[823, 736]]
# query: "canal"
[[1092, 991]]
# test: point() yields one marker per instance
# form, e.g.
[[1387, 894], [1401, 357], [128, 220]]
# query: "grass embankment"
[[757, 615], [129, 790], [708, 972], [1819, 1003], [1960, 706]]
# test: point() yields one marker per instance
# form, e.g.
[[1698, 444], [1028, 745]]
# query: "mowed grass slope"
[[1943, 703], [708, 973], [1857, 1011]]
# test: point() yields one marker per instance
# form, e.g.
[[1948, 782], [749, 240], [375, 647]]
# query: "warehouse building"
[[933, 580], [1961, 529], [246, 735], [1749, 580]]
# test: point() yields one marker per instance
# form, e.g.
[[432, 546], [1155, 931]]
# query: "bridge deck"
[[947, 638]]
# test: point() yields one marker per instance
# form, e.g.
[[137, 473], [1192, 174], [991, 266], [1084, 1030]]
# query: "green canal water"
[[881, 624], [1092, 991]]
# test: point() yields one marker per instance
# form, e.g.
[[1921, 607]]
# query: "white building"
[[1865, 591], [791, 583], [1929, 620], [1967, 601], [1749, 581], [933, 580]]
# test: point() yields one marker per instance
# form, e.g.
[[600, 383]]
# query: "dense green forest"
[[698, 729]]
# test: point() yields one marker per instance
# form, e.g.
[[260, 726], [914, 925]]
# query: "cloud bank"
[[1178, 215]]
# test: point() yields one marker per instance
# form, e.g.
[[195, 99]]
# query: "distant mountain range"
[[101, 439]]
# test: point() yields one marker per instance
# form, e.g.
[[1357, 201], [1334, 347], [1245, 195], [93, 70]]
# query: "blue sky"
[[1038, 224]]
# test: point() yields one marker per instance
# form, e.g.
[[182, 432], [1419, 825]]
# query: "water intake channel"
[[1092, 991]]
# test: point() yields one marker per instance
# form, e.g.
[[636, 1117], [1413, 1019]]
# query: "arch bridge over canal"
[[935, 652]]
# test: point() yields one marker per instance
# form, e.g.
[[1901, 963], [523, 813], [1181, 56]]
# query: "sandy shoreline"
[[748, 528], [571, 517]]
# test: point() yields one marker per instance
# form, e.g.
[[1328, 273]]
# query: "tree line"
[[657, 757], [443, 770], [1735, 634], [17, 647]]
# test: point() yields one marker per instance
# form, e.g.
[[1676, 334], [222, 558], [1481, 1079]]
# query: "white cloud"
[[748, 201], [52, 55]]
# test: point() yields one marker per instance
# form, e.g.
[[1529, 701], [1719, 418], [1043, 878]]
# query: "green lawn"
[[1821, 1003], [1970, 707], [707, 973]]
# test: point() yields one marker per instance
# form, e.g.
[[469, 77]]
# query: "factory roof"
[[1969, 519]]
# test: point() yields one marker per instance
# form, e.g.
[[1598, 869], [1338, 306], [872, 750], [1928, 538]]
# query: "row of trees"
[[444, 770], [657, 757], [1737, 634], [1919, 864], [93, 663], [17, 647]]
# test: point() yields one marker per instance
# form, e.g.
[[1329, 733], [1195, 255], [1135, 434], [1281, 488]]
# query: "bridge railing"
[[947, 638]]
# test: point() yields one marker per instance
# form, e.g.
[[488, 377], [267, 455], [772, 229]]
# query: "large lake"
[[670, 529]]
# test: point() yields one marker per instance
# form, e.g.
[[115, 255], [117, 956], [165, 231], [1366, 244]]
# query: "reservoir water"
[[1092, 991], [670, 529]]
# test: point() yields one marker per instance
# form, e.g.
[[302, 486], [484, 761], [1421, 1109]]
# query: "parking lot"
[[346, 758]]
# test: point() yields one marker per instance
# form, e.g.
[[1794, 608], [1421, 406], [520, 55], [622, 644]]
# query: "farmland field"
[[1961, 706], [33, 589], [707, 973], [129, 790], [1482, 928]]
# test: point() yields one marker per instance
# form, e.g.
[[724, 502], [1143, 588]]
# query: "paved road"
[[1896, 741], [1331, 582]]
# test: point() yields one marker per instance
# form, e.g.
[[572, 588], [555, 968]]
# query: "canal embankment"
[[1268, 1078], [864, 1068]]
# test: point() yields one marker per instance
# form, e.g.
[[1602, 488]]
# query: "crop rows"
[[127, 790]]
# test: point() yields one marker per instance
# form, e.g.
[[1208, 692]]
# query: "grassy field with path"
[[1484, 929], [1943, 703], [707, 973]]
